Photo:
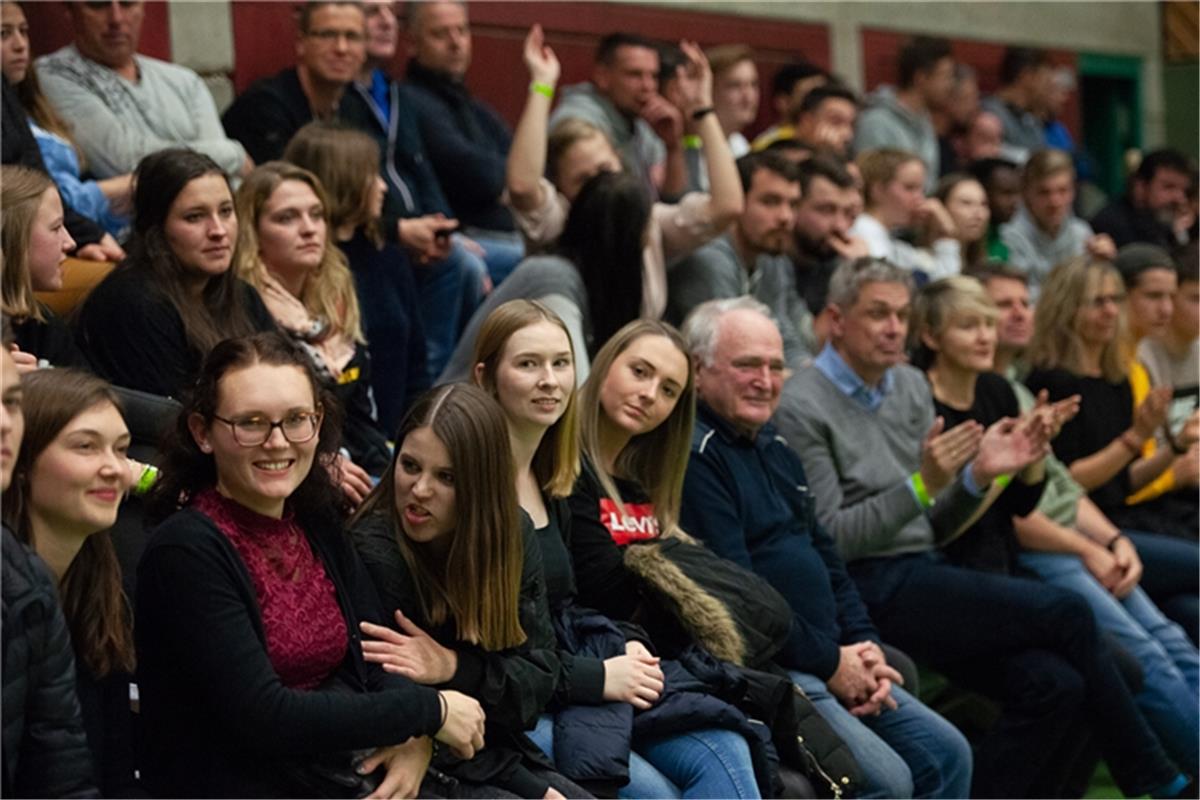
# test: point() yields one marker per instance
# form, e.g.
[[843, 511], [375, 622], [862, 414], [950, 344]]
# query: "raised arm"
[[694, 91], [527, 158]]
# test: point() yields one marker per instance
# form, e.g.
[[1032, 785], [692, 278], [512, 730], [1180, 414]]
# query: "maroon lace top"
[[305, 628]]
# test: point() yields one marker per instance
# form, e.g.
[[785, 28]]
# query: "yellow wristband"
[[918, 485], [544, 89], [692, 142]]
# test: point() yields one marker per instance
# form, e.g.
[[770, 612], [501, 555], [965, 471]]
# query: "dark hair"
[[1018, 59], [1187, 263], [1135, 258], [768, 160], [478, 582], [824, 166], [160, 178], [305, 12], [985, 168], [604, 236], [786, 78], [606, 50], [1166, 158], [789, 145], [830, 91], [186, 470], [921, 54], [92, 596]]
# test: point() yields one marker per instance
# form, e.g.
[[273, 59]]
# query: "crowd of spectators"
[[374, 464]]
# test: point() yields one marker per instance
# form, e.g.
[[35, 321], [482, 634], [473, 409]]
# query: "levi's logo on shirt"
[[638, 524]]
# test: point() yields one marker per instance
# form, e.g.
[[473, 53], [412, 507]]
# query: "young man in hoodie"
[[900, 118]]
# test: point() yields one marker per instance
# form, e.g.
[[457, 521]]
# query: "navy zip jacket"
[[749, 501]]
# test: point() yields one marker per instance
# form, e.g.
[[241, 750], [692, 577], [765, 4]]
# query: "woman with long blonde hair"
[[285, 251]]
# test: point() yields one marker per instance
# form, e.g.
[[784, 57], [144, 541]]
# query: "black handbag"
[[331, 775], [732, 612]]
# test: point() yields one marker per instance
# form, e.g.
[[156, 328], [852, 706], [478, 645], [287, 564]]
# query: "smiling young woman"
[[68, 482], [149, 324], [256, 559]]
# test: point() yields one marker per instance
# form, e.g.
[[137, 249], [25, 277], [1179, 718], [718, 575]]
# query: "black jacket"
[[468, 145], [216, 716], [1126, 225], [513, 686], [265, 117], [45, 748]]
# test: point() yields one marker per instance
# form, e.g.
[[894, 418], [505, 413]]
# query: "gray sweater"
[[858, 464]]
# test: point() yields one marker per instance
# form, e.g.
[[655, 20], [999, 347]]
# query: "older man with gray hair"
[[746, 497]]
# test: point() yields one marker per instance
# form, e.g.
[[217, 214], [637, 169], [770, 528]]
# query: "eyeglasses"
[[329, 36], [297, 427], [1102, 300]]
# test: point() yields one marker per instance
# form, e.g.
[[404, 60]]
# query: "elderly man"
[[123, 105], [746, 497], [893, 487]]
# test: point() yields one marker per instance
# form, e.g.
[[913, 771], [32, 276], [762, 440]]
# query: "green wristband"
[[147, 480], [1003, 480], [918, 485], [544, 89], [692, 142]]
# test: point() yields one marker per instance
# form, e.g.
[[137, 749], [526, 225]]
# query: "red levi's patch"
[[638, 524]]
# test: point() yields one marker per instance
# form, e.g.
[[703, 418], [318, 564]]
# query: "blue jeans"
[[1171, 576], [450, 290], [706, 763], [1169, 661], [501, 252], [906, 752]]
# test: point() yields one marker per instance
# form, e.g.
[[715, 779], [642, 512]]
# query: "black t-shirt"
[[1105, 411], [556, 561], [989, 544], [49, 339]]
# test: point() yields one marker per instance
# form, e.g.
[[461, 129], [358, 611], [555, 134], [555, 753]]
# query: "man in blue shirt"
[[746, 497]]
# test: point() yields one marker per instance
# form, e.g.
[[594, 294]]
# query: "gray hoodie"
[[888, 123]]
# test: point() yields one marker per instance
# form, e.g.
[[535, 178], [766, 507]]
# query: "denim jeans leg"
[[647, 783], [707, 763], [937, 754], [1168, 699], [1171, 576], [501, 252], [885, 772], [450, 290]]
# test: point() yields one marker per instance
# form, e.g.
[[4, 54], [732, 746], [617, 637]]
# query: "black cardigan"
[[216, 716]]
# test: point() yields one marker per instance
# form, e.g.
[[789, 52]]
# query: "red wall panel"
[[264, 35]]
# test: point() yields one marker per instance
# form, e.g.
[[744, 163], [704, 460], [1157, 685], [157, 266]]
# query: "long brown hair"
[[345, 160], [93, 599], [159, 180], [1056, 343], [329, 291], [21, 190], [479, 581], [657, 459], [556, 460]]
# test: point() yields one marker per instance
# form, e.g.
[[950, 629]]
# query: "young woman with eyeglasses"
[[249, 600]]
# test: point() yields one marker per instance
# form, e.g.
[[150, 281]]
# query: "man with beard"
[[1157, 194], [828, 203], [749, 258]]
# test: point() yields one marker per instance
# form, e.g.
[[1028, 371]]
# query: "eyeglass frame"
[[318, 416], [331, 35]]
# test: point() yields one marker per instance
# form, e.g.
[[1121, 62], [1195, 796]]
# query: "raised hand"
[[540, 60], [1151, 412], [1007, 447], [693, 84]]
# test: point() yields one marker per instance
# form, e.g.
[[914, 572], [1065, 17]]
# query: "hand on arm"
[[527, 157], [405, 766], [352, 479], [412, 653]]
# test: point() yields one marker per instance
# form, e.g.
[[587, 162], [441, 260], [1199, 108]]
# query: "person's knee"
[[1041, 683]]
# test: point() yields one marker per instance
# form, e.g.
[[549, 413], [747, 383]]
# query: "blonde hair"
[[1056, 343], [556, 460], [724, 57], [937, 303], [657, 459], [879, 167], [1044, 164], [564, 136], [329, 291], [21, 191]]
